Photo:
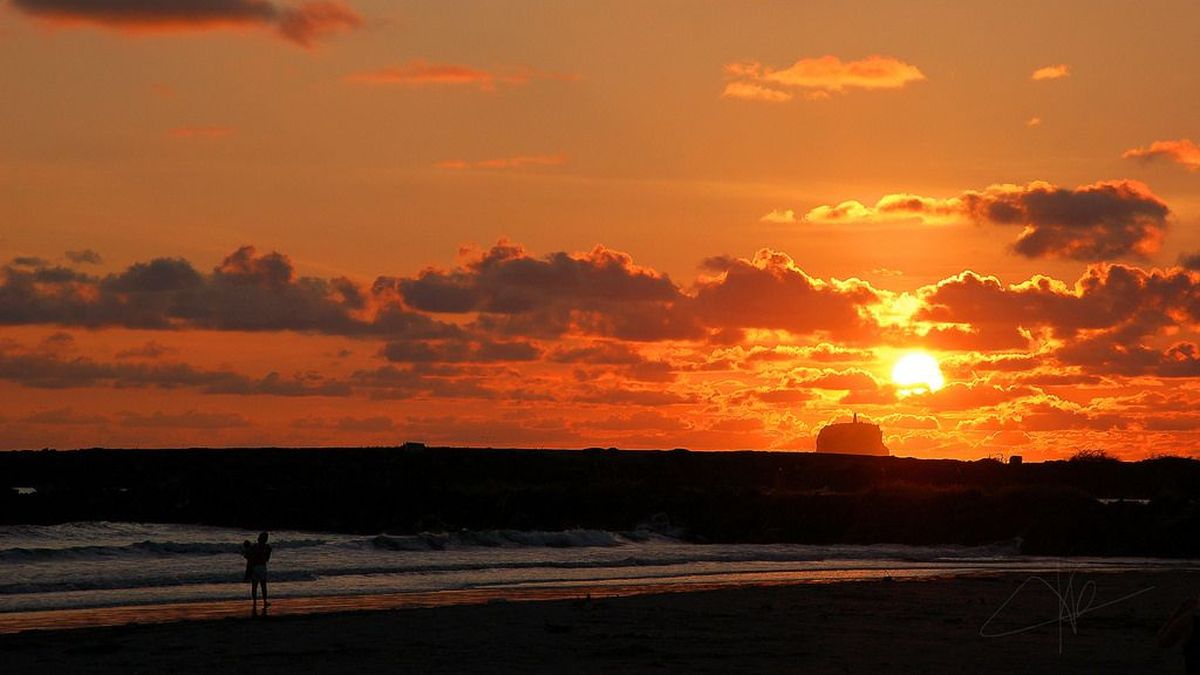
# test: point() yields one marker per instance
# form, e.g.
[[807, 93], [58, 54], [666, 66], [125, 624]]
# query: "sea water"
[[103, 564]]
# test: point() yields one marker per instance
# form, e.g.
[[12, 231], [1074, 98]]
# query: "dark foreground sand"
[[930, 626]]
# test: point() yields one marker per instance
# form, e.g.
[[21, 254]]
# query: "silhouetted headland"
[[1091, 506], [852, 438]]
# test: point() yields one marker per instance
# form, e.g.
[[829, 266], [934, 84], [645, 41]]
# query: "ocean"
[[104, 564]]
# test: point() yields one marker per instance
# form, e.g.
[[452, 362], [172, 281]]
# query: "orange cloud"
[[303, 24], [421, 73], [1051, 72], [817, 78], [1100, 221], [1182, 151], [517, 162], [781, 216], [748, 91], [202, 132]]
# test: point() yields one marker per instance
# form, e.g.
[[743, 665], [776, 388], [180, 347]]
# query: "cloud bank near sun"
[[753, 352]]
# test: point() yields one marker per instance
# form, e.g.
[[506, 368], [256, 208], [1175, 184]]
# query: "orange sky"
[[710, 225]]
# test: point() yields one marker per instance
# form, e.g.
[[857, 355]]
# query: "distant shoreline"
[[1106, 508]]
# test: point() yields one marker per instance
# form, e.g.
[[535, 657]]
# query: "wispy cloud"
[[816, 78], [781, 216], [1054, 72], [422, 73], [1183, 152]]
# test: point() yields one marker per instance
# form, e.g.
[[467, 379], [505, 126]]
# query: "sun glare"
[[917, 372]]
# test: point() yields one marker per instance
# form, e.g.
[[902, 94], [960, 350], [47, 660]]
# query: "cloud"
[[601, 292], [422, 73], [203, 132], [1190, 261], [1104, 220], [29, 261], [1183, 152], [191, 419], [1051, 72], [1116, 320], [304, 24], [770, 291], [1034, 122], [63, 416], [851, 379], [84, 257], [457, 351], [816, 78], [43, 369], [373, 424], [247, 291], [781, 216], [515, 162], [748, 91], [149, 350]]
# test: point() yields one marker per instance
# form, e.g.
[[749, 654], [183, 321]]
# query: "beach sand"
[[929, 626]]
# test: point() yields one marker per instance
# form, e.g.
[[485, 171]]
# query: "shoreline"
[[927, 625], [203, 610], [175, 612]]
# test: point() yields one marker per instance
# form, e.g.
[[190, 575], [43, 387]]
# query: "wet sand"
[[1106, 624]]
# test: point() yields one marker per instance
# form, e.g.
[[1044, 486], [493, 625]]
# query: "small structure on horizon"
[[852, 438]]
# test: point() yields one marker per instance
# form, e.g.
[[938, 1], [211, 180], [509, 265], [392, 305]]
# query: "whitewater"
[[103, 564]]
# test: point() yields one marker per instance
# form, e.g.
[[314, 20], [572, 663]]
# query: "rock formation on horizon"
[[852, 438]]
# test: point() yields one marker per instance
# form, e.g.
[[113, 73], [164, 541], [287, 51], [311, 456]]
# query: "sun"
[[917, 372]]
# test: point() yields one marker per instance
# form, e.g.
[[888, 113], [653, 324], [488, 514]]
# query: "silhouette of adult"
[[257, 556], [1184, 625]]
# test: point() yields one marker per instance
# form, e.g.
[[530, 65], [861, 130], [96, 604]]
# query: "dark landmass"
[[852, 438], [759, 497]]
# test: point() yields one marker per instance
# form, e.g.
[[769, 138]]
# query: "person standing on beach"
[[257, 556]]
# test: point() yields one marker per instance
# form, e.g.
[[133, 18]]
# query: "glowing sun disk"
[[916, 372]]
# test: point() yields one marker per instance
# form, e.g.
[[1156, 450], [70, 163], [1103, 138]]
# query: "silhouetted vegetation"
[[1092, 455], [1063, 507]]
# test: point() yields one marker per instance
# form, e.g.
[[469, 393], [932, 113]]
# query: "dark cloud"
[[600, 292], [247, 291], [377, 423], [1102, 221], [451, 351], [192, 419], [61, 416], [149, 350], [1107, 322], [511, 297], [302, 24], [48, 371], [770, 291], [1093, 222], [84, 257], [598, 353], [1118, 298]]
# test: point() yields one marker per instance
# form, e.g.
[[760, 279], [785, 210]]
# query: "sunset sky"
[[710, 225]]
